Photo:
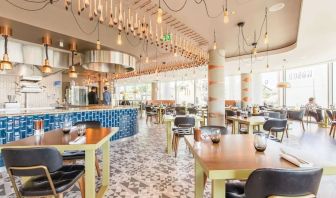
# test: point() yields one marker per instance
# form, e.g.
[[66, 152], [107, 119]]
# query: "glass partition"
[[311, 81]]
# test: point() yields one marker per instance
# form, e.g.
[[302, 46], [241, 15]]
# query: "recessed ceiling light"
[[276, 7]]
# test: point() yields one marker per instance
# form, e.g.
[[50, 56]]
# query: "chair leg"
[[283, 133], [173, 142], [303, 127], [81, 183], [177, 145], [331, 129], [97, 167], [334, 132]]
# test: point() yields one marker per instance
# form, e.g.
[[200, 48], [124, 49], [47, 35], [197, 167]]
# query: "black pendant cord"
[[46, 3], [72, 57], [46, 51], [6, 43]]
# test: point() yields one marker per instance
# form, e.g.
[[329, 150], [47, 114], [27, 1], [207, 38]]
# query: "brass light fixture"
[[46, 68], [226, 13], [159, 14], [215, 43], [284, 84], [72, 70], [5, 64]]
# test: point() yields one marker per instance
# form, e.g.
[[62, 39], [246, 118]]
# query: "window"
[[167, 90], [269, 89], [232, 87], [307, 82], [185, 92], [201, 96]]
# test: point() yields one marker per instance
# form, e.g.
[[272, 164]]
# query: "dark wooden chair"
[[44, 167], [183, 126], [269, 183], [332, 122]]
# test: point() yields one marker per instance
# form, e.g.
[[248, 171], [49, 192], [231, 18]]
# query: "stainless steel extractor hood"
[[28, 58], [105, 61]]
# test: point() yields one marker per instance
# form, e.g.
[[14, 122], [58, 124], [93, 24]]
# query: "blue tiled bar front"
[[20, 126]]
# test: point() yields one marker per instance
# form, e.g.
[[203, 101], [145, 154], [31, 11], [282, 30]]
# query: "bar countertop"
[[52, 110]]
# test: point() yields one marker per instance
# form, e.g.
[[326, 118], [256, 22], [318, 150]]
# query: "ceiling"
[[55, 20]]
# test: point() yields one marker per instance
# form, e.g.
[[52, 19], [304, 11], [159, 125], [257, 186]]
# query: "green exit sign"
[[167, 37]]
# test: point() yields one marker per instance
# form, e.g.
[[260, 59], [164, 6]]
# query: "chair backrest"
[[297, 115], [273, 114], [272, 123], [180, 110], [330, 115], [207, 129], [184, 121], [229, 112], [89, 124], [30, 157], [192, 110], [263, 183], [148, 109]]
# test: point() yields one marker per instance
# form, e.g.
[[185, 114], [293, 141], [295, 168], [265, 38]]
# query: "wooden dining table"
[[251, 122], [234, 157], [169, 121], [95, 138]]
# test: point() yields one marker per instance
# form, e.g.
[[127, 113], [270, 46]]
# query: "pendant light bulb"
[[226, 16], [147, 59], [254, 50], [215, 45], [266, 39], [119, 40], [159, 15], [98, 45], [5, 64]]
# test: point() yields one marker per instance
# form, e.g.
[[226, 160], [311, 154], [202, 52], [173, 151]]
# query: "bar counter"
[[18, 125]]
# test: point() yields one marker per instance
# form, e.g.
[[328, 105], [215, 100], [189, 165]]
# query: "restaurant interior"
[[168, 98]]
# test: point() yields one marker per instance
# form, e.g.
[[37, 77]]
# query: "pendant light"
[[215, 43], [46, 68], [98, 46], [284, 84], [266, 39], [119, 39], [159, 14], [5, 64], [226, 13], [72, 70]]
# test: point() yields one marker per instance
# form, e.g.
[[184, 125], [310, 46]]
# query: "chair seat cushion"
[[73, 155], [277, 129], [63, 179], [235, 189]]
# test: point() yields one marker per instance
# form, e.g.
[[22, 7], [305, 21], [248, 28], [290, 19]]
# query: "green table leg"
[[218, 189], [199, 180], [90, 180], [169, 136], [106, 163]]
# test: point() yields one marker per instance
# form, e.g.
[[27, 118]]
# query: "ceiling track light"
[[5, 64], [72, 69], [46, 68]]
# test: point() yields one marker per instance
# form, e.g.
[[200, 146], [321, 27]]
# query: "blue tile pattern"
[[17, 127]]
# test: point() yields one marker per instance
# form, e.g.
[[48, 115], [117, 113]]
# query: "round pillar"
[[246, 89], [216, 98], [154, 90]]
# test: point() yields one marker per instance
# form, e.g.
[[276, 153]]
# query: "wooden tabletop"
[[253, 120], [56, 138], [236, 152]]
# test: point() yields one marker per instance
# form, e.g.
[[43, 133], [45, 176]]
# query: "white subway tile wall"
[[46, 98]]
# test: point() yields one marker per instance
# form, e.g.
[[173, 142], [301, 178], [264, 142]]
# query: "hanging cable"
[[80, 27], [175, 10], [32, 10]]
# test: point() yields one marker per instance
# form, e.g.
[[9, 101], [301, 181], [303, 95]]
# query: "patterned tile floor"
[[141, 169]]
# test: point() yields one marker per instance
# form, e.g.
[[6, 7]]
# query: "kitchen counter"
[[18, 125], [52, 110]]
